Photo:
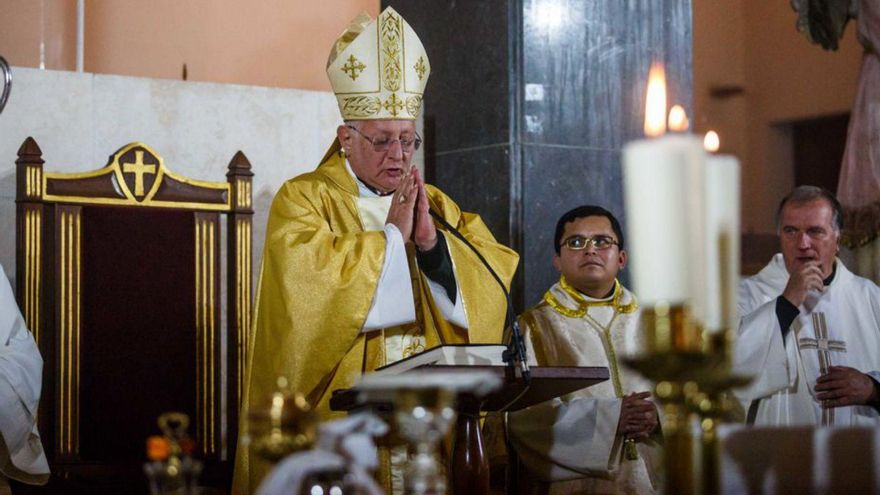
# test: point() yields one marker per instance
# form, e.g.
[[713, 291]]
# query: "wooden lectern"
[[469, 464]]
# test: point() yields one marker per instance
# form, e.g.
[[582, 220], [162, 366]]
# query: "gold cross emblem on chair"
[[138, 168]]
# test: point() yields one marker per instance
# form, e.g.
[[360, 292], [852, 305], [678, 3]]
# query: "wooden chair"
[[119, 277]]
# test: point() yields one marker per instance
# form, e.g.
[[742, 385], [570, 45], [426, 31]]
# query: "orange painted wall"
[[789, 79], [754, 44], [276, 43], [25, 25], [720, 60]]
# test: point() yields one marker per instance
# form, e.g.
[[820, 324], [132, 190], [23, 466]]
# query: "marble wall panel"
[[468, 93], [572, 74], [555, 180], [585, 74], [678, 44], [479, 181]]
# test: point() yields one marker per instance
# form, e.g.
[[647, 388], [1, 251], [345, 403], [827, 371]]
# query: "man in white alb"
[[810, 328], [21, 373]]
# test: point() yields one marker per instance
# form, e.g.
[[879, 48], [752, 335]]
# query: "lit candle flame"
[[711, 142], [678, 120], [655, 105]]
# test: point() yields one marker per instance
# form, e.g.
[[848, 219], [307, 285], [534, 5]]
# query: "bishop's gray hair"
[[806, 194]]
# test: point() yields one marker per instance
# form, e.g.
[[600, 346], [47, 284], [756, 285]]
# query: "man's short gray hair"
[[806, 194]]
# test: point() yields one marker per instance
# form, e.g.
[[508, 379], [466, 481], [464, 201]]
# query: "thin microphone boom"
[[516, 350]]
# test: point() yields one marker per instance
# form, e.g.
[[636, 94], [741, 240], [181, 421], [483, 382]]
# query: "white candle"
[[662, 196], [722, 222], [663, 182]]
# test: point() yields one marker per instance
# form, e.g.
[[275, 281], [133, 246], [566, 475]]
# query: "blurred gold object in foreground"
[[692, 373], [172, 470], [282, 425]]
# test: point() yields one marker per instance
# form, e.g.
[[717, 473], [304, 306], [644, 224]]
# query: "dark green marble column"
[[531, 101]]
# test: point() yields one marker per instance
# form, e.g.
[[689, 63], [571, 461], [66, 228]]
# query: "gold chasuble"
[[319, 274]]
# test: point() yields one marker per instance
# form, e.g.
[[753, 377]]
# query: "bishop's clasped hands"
[[409, 211]]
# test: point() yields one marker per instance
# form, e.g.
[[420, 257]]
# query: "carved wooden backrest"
[[71, 228]]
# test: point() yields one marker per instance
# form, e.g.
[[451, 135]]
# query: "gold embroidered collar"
[[583, 304]]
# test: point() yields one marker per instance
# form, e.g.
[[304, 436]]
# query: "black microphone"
[[516, 349]]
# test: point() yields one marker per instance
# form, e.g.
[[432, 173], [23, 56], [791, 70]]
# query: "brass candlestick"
[[714, 405], [713, 402], [673, 360], [692, 373]]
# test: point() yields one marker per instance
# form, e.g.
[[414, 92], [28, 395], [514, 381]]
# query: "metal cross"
[[823, 346]]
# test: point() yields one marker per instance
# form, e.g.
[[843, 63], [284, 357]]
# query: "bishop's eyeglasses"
[[599, 242], [383, 144]]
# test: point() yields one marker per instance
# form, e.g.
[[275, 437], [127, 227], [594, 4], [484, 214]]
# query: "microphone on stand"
[[516, 348]]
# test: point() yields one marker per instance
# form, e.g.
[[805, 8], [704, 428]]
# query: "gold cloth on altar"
[[320, 271]]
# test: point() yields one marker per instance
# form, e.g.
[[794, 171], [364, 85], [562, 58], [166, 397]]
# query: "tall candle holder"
[[673, 359], [713, 404], [692, 372]]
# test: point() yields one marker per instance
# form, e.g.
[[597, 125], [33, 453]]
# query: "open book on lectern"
[[449, 355]]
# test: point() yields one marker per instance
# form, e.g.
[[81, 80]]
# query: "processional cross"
[[823, 346]]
